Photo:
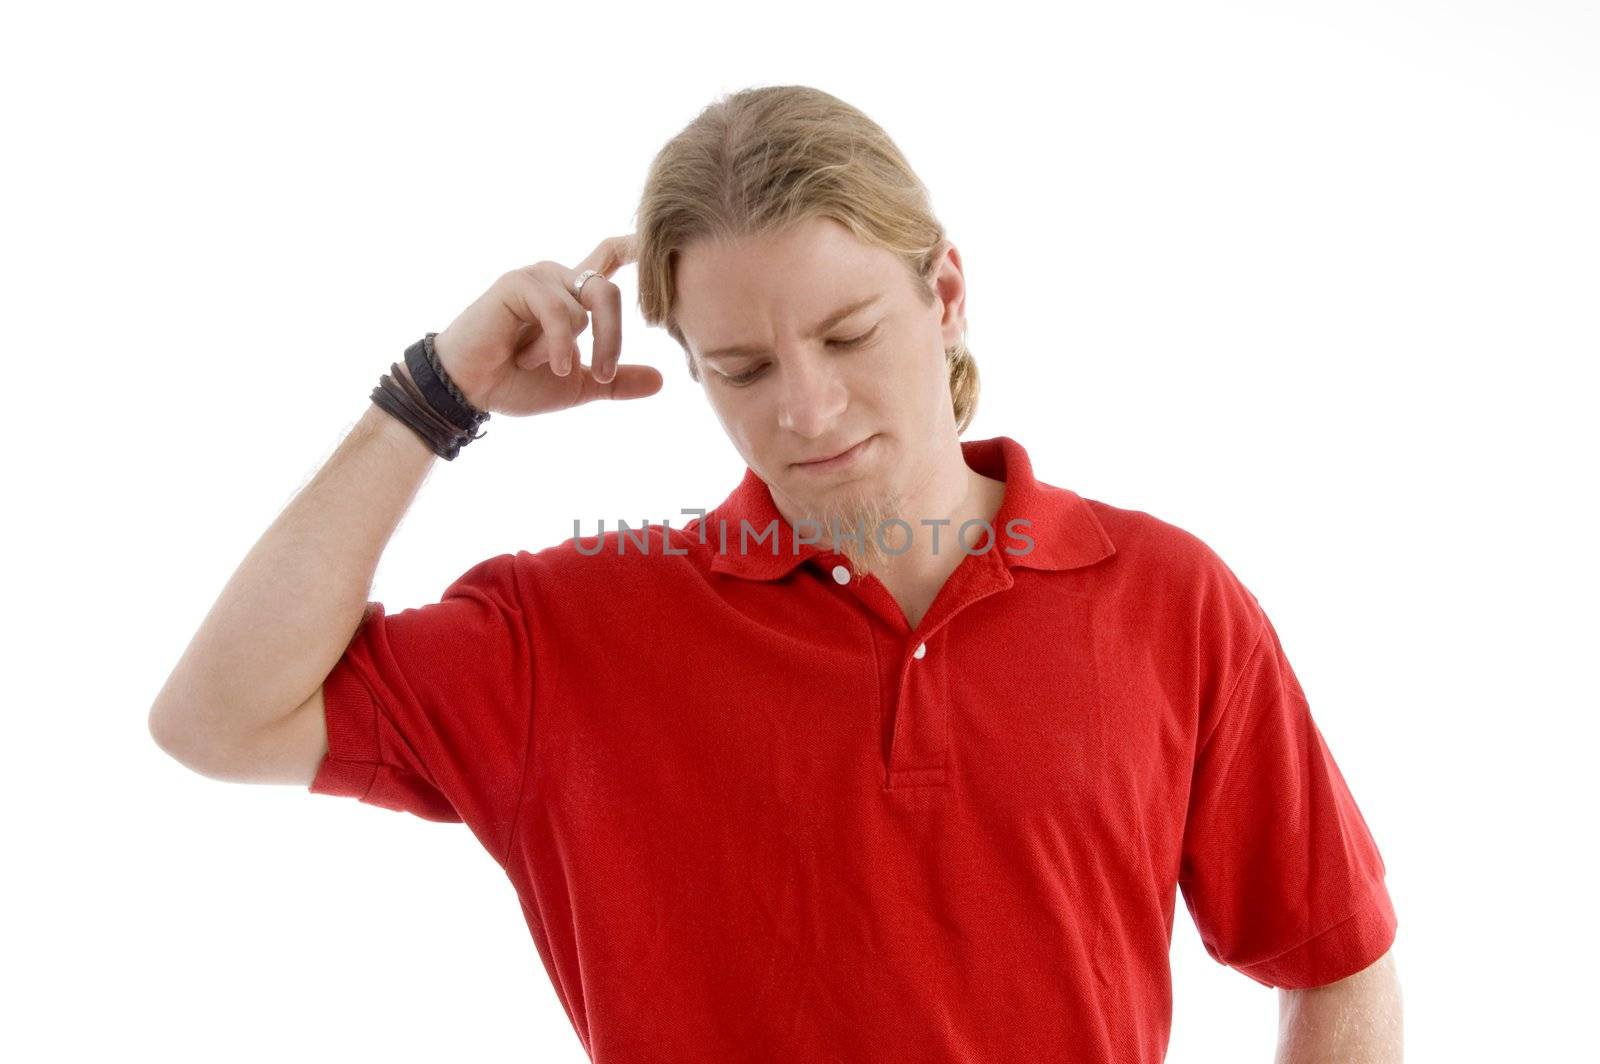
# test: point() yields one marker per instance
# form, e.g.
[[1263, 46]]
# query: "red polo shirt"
[[753, 816]]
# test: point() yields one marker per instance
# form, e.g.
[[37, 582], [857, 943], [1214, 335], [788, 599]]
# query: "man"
[[922, 791]]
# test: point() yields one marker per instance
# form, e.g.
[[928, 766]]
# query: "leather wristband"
[[415, 399], [438, 389]]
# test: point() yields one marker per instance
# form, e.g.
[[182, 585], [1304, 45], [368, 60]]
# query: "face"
[[792, 380]]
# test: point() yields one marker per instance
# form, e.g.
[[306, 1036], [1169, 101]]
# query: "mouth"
[[837, 461]]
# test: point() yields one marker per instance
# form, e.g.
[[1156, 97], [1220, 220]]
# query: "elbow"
[[167, 732], [180, 737]]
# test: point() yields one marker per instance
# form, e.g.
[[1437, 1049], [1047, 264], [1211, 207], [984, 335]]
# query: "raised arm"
[[243, 702]]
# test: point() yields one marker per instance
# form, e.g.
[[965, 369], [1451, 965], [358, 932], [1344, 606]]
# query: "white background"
[[1317, 284]]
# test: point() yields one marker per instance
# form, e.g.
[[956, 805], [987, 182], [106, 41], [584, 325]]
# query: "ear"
[[949, 285]]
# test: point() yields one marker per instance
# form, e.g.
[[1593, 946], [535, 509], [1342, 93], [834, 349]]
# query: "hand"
[[514, 351]]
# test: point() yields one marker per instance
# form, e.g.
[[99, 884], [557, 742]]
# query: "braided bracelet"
[[429, 403]]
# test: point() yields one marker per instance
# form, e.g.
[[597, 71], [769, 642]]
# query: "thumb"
[[631, 382]]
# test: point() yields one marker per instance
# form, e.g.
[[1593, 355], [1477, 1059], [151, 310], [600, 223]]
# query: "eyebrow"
[[739, 350]]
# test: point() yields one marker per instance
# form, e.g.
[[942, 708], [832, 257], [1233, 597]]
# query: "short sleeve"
[[1279, 870], [429, 710]]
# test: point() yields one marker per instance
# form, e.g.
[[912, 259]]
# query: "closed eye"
[[854, 341]]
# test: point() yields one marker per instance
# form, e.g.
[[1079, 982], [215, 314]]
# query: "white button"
[[841, 574], [922, 648]]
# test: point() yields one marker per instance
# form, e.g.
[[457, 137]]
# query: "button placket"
[[920, 739], [920, 743]]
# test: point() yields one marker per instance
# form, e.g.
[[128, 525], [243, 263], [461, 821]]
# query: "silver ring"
[[583, 279]]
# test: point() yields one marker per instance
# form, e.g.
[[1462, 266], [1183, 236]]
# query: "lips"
[[827, 457]]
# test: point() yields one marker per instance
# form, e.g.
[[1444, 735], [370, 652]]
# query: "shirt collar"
[[1064, 529]]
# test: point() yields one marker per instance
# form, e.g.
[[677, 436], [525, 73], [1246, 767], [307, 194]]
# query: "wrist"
[[418, 394], [384, 425]]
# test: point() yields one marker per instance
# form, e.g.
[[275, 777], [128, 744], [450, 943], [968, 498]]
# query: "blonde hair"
[[757, 161]]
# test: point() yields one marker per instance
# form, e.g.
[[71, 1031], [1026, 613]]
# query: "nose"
[[812, 395]]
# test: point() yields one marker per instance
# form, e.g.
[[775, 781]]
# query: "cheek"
[[727, 415], [742, 415], [920, 370]]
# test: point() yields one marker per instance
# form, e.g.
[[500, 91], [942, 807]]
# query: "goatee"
[[858, 526]]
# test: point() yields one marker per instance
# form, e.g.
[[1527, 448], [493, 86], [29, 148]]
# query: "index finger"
[[605, 303], [611, 254]]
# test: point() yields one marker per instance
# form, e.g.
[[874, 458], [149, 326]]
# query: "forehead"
[[733, 291]]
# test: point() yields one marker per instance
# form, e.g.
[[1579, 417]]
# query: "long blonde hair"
[[757, 161]]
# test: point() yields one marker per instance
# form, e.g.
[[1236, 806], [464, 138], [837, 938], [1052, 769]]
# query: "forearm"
[[1354, 1021], [292, 605]]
